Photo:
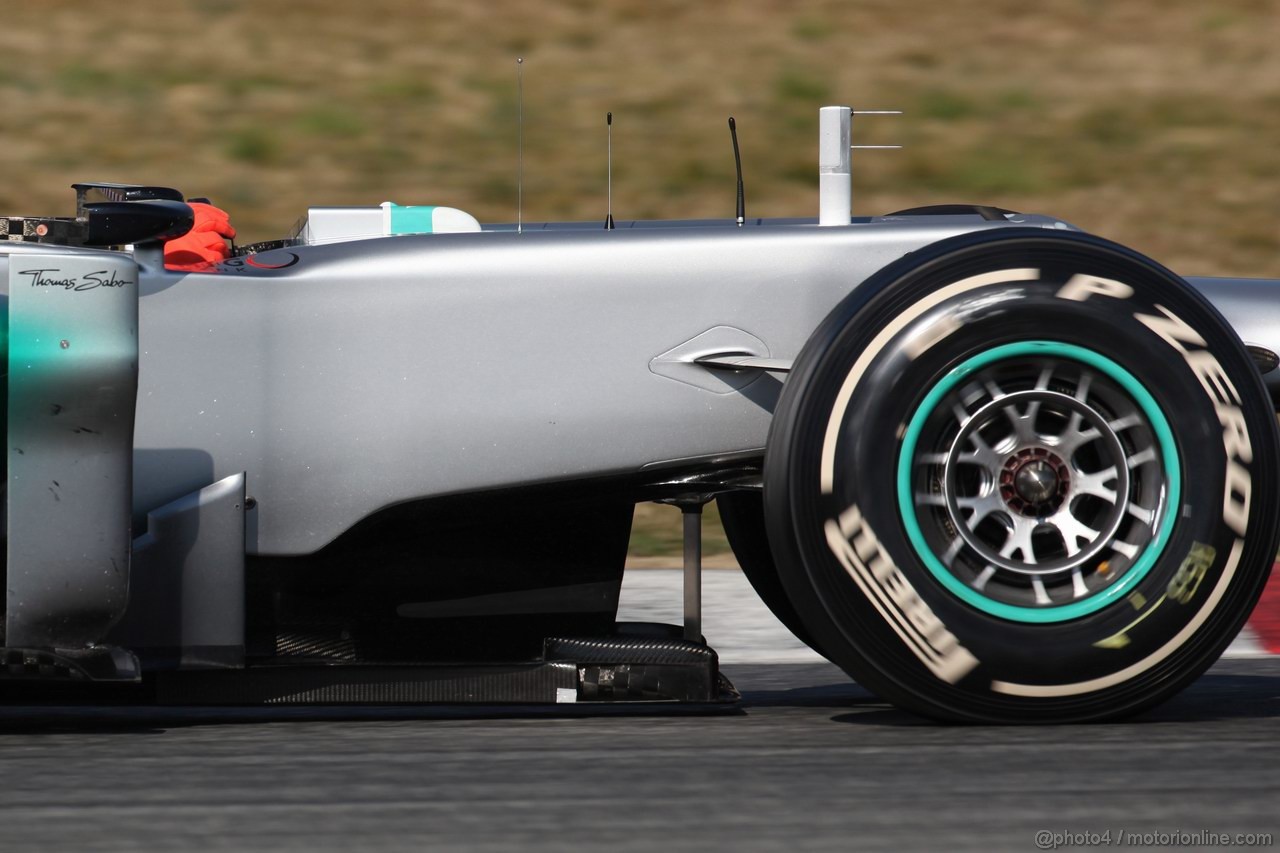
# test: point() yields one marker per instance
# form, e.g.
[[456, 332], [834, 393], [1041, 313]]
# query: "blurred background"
[[1153, 122]]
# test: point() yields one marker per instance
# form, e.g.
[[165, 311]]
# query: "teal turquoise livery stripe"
[[412, 218]]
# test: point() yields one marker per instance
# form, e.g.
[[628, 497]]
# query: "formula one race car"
[[994, 467]]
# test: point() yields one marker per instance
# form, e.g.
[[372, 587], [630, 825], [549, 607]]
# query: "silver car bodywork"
[[372, 373]]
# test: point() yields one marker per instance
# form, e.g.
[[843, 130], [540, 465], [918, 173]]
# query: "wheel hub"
[[1034, 482]]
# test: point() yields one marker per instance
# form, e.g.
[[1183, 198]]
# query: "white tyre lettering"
[[1235, 435], [1171, 328], [1081, 286], [1235, 500], [1212, 377], [855, 545]]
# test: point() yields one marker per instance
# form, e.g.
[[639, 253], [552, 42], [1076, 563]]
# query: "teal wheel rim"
[[1163, 515]]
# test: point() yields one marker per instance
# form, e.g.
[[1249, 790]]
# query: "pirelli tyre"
[[1023, 476]]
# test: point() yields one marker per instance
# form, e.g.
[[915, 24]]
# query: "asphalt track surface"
[[808, 761]]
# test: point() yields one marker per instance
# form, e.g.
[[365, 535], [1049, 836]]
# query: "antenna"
[[608, 123], [737, 161], [519, 144]]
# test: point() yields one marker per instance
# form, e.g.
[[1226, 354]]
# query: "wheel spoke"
[[1020, 541], [1078, 589], [1042, 596], [1082, 388], [1073, 437], [1125, 548], [1141, 458], [985, 575], [1129, 421], [1072, 530], [1095, 484], [972, 394], [1042, 384], [1024, 426], [980, 506], [930, 499], [1142, 514], [982, 455], [949, 556]]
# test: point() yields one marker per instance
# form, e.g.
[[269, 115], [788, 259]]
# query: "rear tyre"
[[1023, 476]]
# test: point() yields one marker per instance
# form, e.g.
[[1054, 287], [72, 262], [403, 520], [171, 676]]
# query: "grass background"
[[1153, 122]]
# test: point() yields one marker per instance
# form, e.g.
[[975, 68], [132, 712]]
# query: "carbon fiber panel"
[[369, 685], [637, 650]]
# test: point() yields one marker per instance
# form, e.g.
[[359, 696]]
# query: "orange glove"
[[205, 243]]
